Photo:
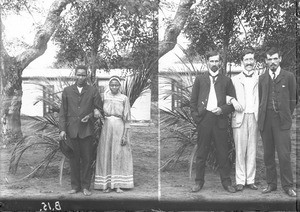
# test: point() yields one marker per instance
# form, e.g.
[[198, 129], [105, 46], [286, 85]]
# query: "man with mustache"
[[244, 121], [210, 112], [277, 97], [79, 102]]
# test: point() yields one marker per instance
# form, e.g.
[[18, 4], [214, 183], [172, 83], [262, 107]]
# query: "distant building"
[[140, 111]]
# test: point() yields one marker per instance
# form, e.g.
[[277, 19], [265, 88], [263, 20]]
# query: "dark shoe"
[[86, 192], [252, 186], [269, 189], [239, 187], [230, 189], [73, 191], [291, 192], [197, 188]]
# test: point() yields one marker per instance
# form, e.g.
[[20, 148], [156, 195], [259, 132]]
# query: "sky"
[[22, 28]]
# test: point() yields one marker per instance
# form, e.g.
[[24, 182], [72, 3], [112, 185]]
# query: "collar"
[[248, 73], [277, 72], [211, 73]]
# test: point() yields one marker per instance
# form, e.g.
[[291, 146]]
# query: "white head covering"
[[114, 78]]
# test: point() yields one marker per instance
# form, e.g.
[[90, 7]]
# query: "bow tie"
[[250, 75]]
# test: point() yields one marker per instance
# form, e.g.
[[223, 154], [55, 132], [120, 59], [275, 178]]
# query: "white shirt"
[[79, 89], [249, 83], [212, 102], [277, 72]]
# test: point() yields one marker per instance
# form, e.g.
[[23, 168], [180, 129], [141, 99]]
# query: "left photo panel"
[[79, 105]]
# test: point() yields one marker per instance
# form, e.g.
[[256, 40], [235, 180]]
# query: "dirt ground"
[[154, 191], [176, 185], [41, 190]]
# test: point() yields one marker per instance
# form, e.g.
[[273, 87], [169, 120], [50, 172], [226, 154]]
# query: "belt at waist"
[[113, 116]]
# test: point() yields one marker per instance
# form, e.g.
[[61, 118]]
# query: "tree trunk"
[[11, 100], [175, 27], [1, 76], [228, 22], [12, 68]]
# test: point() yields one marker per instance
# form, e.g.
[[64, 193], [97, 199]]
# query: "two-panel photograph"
[[149, 105]]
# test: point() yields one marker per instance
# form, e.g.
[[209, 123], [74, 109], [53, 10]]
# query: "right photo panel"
[[228, 96]]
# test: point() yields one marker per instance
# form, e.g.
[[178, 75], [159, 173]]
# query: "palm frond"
[[136, 84]]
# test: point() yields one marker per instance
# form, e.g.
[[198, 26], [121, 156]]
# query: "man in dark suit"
[[210, 112], [79, 102], [277, 97]]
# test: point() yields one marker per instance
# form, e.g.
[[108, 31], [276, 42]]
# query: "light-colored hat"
[[115, 78]]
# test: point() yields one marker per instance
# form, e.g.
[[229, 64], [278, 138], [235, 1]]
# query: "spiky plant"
[[136, 83], [43, 131], [177, 122]]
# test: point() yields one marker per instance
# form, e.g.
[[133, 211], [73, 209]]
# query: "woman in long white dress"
[[114, 166]]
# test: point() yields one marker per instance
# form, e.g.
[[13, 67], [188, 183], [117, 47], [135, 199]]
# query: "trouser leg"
[[203, 142], [283, 146], [220, 137], [240, 141], [86, 150], [251, 149], [269, 150], [75, 165]]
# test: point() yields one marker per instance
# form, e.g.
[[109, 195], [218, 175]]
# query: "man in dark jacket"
[[79, 102], [277, 97], [210, 112]]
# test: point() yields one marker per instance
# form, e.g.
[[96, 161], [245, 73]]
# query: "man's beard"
[[214, 68], [273, 67]]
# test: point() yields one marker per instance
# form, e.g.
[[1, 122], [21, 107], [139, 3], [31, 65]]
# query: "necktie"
[[214, 78], [274, 75], [250, 75]]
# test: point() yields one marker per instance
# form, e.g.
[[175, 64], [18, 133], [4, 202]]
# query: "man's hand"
[[124, 141], [85, 119], [97, 113], [62, 135], [237, 106], [217, 111]]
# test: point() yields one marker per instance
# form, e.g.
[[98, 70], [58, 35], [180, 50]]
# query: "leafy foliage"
[[108, 34], [233, 25], [17, 6]]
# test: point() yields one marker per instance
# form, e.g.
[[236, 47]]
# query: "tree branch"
[[175, 27], [43, 35]]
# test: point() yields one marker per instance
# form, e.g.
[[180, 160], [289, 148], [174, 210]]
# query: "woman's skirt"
[[114, 166]]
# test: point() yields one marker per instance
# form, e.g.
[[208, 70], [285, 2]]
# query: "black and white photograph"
[[149, 105], [79, 108]]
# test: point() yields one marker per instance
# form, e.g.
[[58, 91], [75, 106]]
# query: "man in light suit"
[[277, 97], [79, 102], [244, 121], [210, 112]]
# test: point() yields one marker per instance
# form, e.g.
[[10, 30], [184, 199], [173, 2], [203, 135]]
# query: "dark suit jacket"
[[199, 98], [287, 99], [74, 107]]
